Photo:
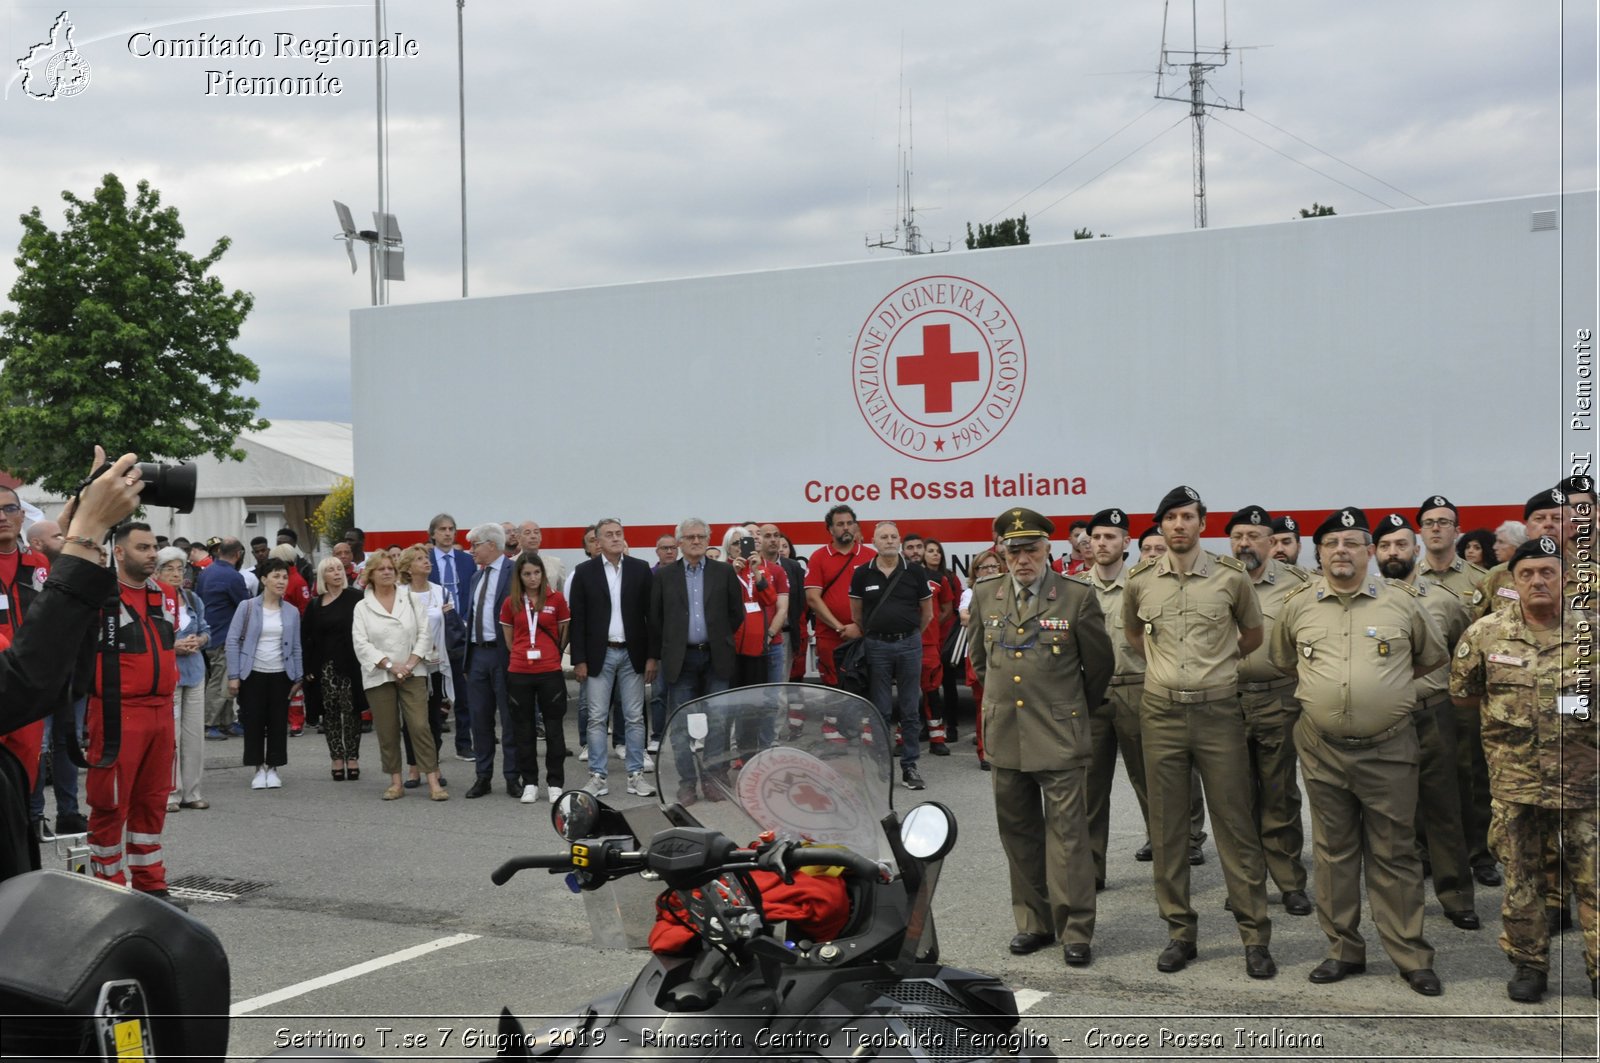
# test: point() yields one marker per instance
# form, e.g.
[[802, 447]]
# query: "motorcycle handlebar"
[[502, 874], [822, 856]]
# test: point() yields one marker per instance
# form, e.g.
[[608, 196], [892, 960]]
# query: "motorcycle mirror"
[[697, 726], [575, 815], [929, 831]]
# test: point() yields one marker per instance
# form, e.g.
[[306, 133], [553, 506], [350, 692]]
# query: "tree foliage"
[[1008, 233], [1087, 233], [337, 513], [1317, 210], [117, 336]]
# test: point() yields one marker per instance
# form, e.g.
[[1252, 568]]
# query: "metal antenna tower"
[[1189, 69], [906, 227]]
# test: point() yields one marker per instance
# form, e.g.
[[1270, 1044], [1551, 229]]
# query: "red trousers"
[[131, 794]]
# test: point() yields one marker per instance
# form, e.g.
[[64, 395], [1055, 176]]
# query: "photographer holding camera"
[[35, 674]]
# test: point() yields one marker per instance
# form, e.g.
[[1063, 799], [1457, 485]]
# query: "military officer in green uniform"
[[1356, 642], [1530, 670], [1194, 616], [1438, 819], [1038, 640], [1266, 695], [1438, 524]]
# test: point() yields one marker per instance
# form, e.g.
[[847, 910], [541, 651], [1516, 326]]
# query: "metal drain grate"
[[211, 888]]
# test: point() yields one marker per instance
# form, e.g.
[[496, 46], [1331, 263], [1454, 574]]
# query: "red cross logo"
[[937, 368], [810, 798]]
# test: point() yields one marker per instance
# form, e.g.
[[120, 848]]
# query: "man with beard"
[[1440, 833], [1194, 617], [1267, 697], [1286, 540], [1357, 642], [828, 586]]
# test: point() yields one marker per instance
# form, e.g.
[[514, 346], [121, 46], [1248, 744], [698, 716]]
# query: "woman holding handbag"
[[392, 639]]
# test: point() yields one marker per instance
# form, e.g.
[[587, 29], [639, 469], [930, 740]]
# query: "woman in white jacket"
[[435, 602], [392, 640]]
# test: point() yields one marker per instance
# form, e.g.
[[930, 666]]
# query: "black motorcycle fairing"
[[63, 936]]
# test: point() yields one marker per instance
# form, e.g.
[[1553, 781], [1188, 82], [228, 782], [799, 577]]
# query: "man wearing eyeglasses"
[[1038, 641]]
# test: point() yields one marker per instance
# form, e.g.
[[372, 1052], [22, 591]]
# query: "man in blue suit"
[[453, 569], [487, 659]]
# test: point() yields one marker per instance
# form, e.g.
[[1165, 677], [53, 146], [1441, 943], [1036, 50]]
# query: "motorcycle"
[[796, 917]]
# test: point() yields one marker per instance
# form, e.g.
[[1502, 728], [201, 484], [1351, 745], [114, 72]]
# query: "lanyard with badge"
[[750, 604], [533, 630]]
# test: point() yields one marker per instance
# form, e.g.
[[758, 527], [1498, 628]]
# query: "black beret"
[[1576, 485], [1249, 515], [1152, 530], [1286, 525], [1348, 518], [1178, 496], [1022, 526], [1554, 498], [1542, 547], [1109, 518], [1437, 502], [1392, 523]]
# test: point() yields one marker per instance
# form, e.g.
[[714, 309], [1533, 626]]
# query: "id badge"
[[533, 655], [5, 602], [752, 607]]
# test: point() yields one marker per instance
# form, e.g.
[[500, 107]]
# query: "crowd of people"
[[1411, 700]]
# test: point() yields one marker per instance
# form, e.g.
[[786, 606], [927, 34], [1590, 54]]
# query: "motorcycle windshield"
[[809, 763]]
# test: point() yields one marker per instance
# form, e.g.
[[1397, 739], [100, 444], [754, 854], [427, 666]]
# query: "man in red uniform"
[[828, 586], [132, 792], [22, 575]]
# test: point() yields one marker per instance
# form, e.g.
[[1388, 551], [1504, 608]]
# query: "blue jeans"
[[63, 773], [898, 663], [617, 671], [777, 662], [486, 701], [697, 680]]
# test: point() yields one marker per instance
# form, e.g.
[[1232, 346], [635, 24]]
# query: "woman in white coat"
[[392, 640]]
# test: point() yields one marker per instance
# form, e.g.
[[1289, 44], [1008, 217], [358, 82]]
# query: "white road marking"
[[245, 1007], [1027, 998]]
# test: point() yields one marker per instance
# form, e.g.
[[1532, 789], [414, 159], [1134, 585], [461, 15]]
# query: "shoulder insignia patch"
[[988, 579], [1404, 586], [1463, 650], [1140, 567], [1229, 561], [1080, 578], [1296, 590], [1477, 596]]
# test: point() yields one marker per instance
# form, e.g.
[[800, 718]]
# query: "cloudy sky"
[[610, 142]]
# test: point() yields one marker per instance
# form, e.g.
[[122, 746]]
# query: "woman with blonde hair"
[[416, 562], [333, 676], [391, 639], [191, 636]]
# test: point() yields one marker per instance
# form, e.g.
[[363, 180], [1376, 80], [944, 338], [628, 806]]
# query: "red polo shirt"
[[830, 566], [547, 640]]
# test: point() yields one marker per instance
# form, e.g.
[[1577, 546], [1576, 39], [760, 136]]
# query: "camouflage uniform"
[[1543, 764]]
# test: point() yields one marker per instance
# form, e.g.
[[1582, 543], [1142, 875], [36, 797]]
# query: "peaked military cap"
[[1554, 498], [1178, 496], [1350, 518], [1437, 502], [1019, 527], [1249, 515], [1109, 518], [1539, 548]]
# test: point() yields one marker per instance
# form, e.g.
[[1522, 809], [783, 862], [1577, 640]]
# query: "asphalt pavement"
[[373, 926]]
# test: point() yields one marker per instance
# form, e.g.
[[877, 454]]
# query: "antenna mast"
[[907, 223], [1188, 69]]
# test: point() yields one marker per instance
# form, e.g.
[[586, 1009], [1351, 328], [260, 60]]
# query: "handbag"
[[455, 628], [850, 657]]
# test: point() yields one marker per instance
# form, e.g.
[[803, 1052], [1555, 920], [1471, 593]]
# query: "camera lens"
[[169, 486]]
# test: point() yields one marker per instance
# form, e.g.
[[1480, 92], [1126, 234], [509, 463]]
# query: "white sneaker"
[[649, 763], [260, 781], [554, 792], [638, 784], [620, 751], [597, 785], [654, 746], [273, 782], [530, 794]]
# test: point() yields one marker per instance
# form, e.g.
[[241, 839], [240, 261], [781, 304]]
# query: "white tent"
[[287, 470]]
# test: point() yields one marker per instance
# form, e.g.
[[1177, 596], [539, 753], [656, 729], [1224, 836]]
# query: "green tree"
[[1087, 233], [1317, 211], [118, 336], [1008, 233], [337, 512]]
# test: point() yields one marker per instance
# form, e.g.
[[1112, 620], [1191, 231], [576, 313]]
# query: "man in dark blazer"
[[487, 658], [453, 570], [610, 604], [692, 636]]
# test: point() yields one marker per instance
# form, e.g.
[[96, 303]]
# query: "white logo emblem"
[[53, 68], [1255, 516], [1560, 499], [1548, 545], [1438, 501], [1190, 492], [1348, 519], [1581, 483], [1116, 517], [1288, 522]]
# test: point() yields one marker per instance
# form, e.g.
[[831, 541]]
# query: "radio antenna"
[[1181, 77]]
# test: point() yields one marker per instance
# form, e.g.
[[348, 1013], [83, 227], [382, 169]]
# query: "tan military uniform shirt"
[[1539, 715], [1461, 578], [1129, 660], [1355, 654], [1450, 615], [1044, 663], [1271, 589], [1191, 623]]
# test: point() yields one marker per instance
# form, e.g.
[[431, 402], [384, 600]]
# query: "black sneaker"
[[911, 778], [72, 823]]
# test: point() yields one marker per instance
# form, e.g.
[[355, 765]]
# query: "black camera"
[[168, 486]]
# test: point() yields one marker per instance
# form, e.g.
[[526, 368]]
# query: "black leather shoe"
[[1487, 875], [1424, 981], [1099, 884], [911, 779], [1197, 856], [1258, 962], [1176, 956], [1024, 944], [1466, 919], [939, 749], [479, 788], [1144, 854], [983, 765], [1527, 986], [514, 788], [1335, 971], [1557, 919], [1077, 954], [1295, 902]]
